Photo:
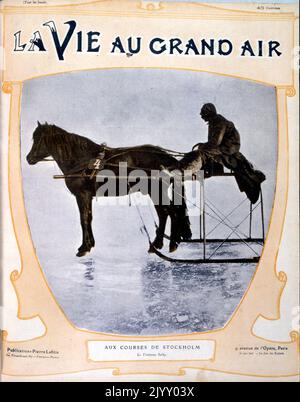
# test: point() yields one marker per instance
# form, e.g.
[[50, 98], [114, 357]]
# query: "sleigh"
[[82, 162], [211, 170]]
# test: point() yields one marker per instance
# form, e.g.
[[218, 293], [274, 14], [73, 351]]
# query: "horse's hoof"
[[158, 244], [173, 248], [187, 235], [81, 253], [151, 249]]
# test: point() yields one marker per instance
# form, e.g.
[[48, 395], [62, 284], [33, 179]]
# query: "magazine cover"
[[149, 192]]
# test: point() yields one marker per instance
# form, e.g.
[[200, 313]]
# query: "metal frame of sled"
[[204, 240]]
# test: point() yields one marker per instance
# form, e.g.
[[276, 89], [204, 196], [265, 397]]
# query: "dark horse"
[[72, 153]]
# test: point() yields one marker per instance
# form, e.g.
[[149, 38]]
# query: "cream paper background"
[[275, 327]]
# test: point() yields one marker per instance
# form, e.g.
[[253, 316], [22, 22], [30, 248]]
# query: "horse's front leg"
[[84, 201]]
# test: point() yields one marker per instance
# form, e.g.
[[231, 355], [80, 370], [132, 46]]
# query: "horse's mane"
[[69, 145]]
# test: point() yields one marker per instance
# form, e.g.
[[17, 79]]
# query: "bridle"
[[38, 146]]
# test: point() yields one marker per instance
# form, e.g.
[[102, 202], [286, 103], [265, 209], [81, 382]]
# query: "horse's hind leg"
[[186, 232], [84, 201], [175, 232], [162, 213], [180, 223]]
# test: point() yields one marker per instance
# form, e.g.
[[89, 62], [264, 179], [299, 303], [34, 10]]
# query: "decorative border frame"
[[262, 298]]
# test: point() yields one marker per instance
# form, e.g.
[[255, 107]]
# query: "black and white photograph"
[[149, 194]]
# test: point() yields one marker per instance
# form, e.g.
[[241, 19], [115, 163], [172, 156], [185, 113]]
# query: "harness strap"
[[97, 165]]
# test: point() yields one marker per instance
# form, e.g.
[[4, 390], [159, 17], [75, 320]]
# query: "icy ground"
[[110, 294], [119, 288]]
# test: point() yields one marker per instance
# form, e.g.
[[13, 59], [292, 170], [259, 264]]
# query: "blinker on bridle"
[[44, 159]]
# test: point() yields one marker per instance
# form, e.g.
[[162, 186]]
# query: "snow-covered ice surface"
[[151, 298], [119, 288]]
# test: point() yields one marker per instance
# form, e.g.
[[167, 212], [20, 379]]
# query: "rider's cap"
[[209, 108]]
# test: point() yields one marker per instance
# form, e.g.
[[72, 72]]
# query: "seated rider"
[[223, 148], [223, 137]]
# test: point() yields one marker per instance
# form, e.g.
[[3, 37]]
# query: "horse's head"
[[40, 149]]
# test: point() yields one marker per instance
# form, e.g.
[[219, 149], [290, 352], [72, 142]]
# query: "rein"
[[126, 150], [160, 151]]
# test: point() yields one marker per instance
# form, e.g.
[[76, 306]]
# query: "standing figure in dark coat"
[[223, 149]]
